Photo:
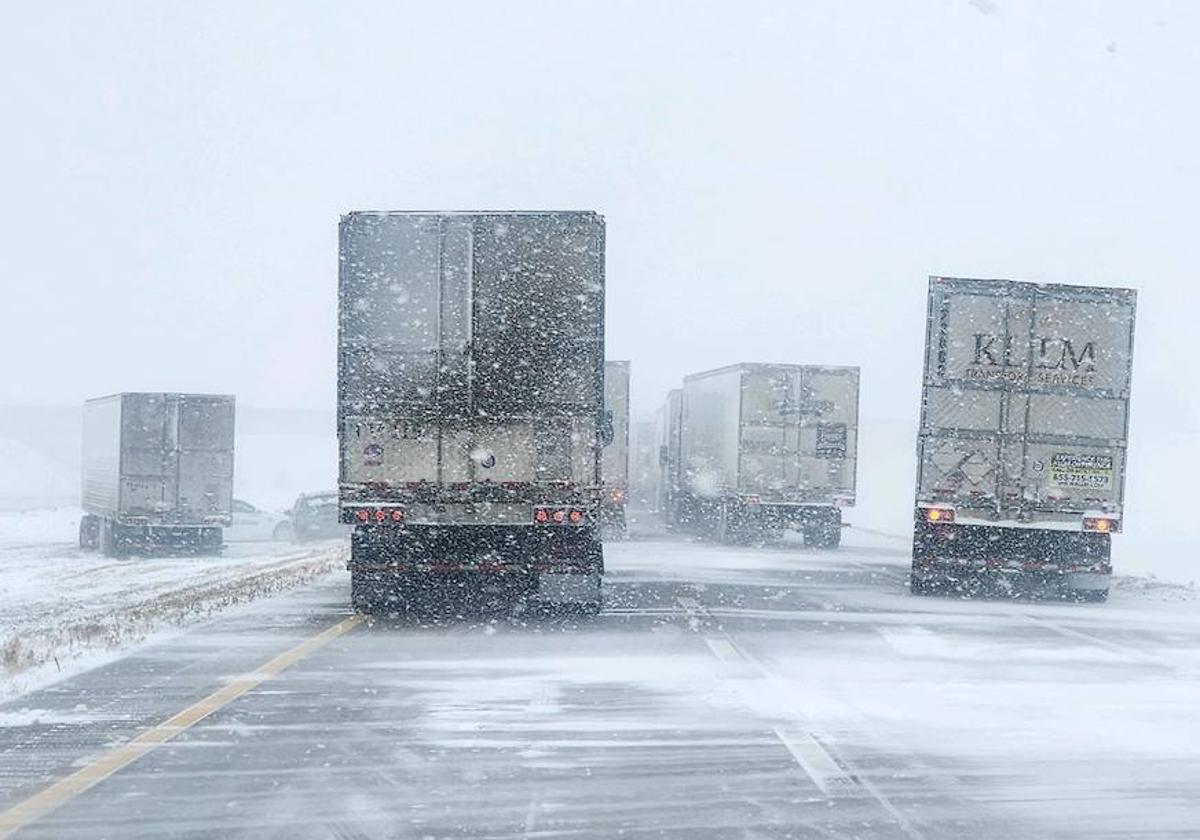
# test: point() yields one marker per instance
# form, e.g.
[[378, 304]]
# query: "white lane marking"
[[531, 815], [118, 758], [723, 649], [820, 766], [1113, 647], [690, 605]]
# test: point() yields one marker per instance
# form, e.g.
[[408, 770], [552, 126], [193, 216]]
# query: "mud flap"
[[1079, 581], [559, 588]]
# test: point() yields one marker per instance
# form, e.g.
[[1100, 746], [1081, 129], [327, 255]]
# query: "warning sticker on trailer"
[[831, 440], [1091, 472]]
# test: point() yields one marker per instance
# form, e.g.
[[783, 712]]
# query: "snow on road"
[[724, 692]]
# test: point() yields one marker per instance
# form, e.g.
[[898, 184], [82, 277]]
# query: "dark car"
[[315, 517]]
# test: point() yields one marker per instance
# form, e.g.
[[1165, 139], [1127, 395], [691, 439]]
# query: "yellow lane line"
[[118, 758]]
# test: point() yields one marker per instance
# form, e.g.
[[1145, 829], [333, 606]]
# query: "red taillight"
[[379, 515], [618, 495], [559, 516], [939, 516], [1099, 524], [753, 501]]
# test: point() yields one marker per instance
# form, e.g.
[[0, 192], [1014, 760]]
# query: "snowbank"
[[59, 607]]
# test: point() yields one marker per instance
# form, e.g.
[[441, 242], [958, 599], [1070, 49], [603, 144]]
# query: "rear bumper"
[[475, 549], [792, 513], [162, 525], [1052, 555], [169, 537], [563, 588]]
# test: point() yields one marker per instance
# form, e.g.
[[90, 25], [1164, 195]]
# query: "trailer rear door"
[[203, 455], [470, 348], [827, 451], [1026, 397]]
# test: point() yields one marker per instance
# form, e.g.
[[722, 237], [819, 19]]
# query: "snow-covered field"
[[30, 480]]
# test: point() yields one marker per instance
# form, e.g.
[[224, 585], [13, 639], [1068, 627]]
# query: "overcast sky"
[[778, 179]]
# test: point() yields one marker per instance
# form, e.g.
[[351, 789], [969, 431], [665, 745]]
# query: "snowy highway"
[[751, 693]]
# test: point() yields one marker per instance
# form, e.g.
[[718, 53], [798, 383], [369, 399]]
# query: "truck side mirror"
[[606, 429], [664, 455]]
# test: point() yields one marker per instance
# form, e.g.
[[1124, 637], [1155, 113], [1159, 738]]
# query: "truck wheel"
[[119, 546], [282, 532], [1090, 596], [818, 536], [833, 537], [104, 538], [365, 595], [89, 532], [732, 528], [212, 541], [922, 586]]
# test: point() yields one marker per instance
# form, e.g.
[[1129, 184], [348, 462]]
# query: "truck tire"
[[210, 541], [823, 536], [922, 587], [89, 532], [104, 538], [594, 554], [365, 592], [1090, 596], [734, 526], [122, 549], [620, 524], [825, 530], [724, 525]]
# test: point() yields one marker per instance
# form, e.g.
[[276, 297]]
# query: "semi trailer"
[[470, 410], [666, 426], [763, 448], [1021, 451], [157, 472], [615, 463]]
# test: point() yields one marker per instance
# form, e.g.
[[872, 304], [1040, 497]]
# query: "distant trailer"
[[644, 469], [615, 462], [666, 433], [1022, 442], [763, 448], [157, 472]]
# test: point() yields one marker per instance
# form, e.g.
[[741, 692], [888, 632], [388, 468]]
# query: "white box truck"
[[157, 472], [1022, 441], [471, 414], [767, 447]]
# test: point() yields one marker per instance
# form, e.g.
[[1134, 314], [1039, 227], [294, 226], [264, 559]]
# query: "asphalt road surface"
[[740, 693]]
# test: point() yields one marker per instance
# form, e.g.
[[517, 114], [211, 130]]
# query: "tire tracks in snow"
[[812, 750]]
